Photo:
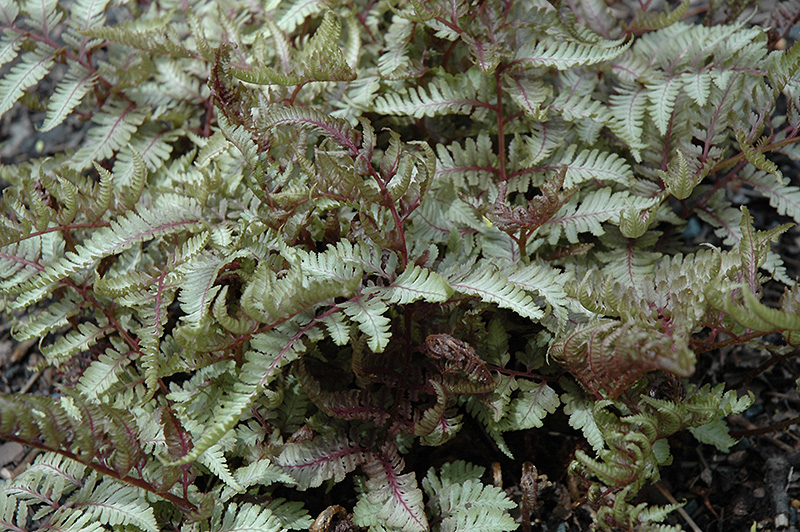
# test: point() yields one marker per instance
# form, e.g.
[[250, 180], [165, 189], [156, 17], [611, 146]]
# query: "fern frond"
[[291, 514], [607, 356], [41, 324], [473, 164], [43, 15], [529, 94], [87, 14], [352, 404], [9, 10], [564, 55], [532, 404], [321, 60], [463, 502], [755, 156], [546, 282], [628, 108], [579, 408], [269, 352], [662, 95], [475, 506], [198, 288], [490, 410], [697, 85], [784, 67], [336, 129], [68, 94], [116, 124], [391, 500], [114, 503], [585, 216], [265, 473], [442, 97], [418, 283], [159, 37], [85, 336], [369, 313], [651, 21], [754, 246], [87, 432], [310, 463], [394, 61], [149, 147], [492, 287], [433, 426], [102, 373], [245, 518], [679, 178], [27, 72], [214, 459], [785, 199], [165, 217], [9, 46], [296, 12], [594, 164]]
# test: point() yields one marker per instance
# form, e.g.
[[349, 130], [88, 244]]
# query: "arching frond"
[[391, 499], [563, 54], [68, 95], [492, 287], [312, 462], [447, 96], [26, 73]]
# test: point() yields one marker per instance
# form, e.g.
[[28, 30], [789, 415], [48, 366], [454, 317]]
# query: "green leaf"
[[464, 503], [418, 283], [585, 215], [9, 47], [295, 12], [492, 287], [163, 218], [442, 97], [580, 410], [26, 73], [198, 287], [369, 314], [156, 37], [628, 108], [114, 503], [310, 463], [533, 402], [86, 335], [714, 433], [391, 500], [68, 94], [245, 518], [291, 514], [595, 164], [697, 85], [564, 54], [115, 125], [86, 14], [662, 95], [755, 155]]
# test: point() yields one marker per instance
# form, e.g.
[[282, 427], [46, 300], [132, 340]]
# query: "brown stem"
[[501, 137], [183, 504], [758, 431]]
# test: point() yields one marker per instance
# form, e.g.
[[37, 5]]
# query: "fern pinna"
[[299, 240]]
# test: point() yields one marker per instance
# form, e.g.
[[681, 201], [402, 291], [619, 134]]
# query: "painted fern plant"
[[300, 240]]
